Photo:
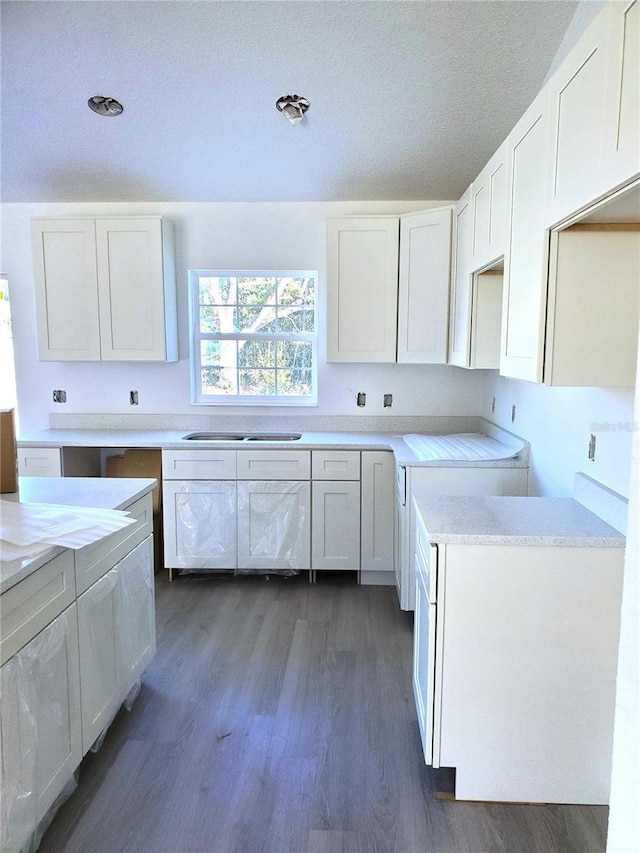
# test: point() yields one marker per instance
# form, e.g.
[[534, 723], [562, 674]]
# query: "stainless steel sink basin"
[[282, 436], [213, 436]]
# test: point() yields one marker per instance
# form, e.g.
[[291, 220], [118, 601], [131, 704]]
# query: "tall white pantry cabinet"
[[105, 289]]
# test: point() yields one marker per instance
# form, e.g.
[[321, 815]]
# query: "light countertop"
[[514, 521], [174, 439], [100, 493]]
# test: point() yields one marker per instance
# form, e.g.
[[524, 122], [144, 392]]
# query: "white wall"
[[264, 235], [558, 422]]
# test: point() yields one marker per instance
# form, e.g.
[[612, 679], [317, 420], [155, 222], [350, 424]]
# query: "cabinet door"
[[362, 288], [576, 124], [66, 289], [378, 494], [459, 338], [423, 292], [621, 144], [274, 524], [40, 727], [490, 211], [525, 275], [486, 319], [135, 299], [39, 462], [199, 524], [100, 652], [136, 615], [424, 646], [336, 525]]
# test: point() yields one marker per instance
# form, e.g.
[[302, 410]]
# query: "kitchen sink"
[[235, 436], [213, 436], [287, 436]]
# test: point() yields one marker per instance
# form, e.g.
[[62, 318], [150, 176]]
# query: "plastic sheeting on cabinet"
[[273, 527], [205, 524], [38, 705]]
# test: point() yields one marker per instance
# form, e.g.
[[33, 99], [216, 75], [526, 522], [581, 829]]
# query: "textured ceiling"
[[408, 99]]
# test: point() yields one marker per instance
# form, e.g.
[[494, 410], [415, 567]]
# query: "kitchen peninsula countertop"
[[175, 439], [514, 521], [96, 492]]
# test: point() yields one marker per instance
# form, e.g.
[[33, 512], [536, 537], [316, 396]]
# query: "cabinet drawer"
[[94, 560], [39, 462], [31, 604], [274, 465], [199, 464], [335, 465]]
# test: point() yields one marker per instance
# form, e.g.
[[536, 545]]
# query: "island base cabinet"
[[116, 628], [40, 735], [273, 525], [529, 647]]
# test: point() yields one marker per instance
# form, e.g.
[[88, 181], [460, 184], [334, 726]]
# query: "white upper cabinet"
[[621, 144], [66, 286], [388, 287], [423, 291], [105, 289], [459, 336], [362, 295], [525, 271], [490, 211], [592, 319], [576, 125]]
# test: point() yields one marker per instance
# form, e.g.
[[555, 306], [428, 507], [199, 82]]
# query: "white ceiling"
[[408, 99]]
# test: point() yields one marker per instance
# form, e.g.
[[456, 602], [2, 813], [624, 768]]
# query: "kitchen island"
[[515, 646], [77, 632]]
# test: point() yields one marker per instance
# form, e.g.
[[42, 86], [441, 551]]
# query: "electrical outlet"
[[493, 405], [361, 399], [387, 401], [513, 413], [133, 398], [59, 396], [592, 448]]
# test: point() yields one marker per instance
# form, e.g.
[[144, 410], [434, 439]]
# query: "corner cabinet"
[[388, 287], [105, 289]]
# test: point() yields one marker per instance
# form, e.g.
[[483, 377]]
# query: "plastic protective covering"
[[205, 514], [40, 734], [273, 527]]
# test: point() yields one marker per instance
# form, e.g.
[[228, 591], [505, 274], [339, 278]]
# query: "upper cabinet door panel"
[[621, 148], [525, 273], [461, 290], [64, 269], [423, 298], [131, 287], [576, 126], [490, 212], [362, 273]]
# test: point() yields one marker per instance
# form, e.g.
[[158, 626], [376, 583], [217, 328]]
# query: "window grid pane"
[[256, 335]]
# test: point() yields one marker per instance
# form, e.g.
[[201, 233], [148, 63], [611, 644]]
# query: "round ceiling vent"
[[105, 106]]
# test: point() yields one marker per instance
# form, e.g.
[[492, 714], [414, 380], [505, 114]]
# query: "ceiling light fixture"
[[105, 106], [293, 106]]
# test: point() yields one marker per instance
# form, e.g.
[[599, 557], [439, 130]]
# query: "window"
[[253, 336]]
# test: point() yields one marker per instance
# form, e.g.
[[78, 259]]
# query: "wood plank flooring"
[[277, 717]]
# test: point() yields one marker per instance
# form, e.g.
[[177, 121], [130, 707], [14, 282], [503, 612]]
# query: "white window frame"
[[196, 336]]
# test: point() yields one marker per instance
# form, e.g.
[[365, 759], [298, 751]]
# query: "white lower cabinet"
[[336, 525], [273, 524], [515, 657], [377, 555], [200, 524], [415, 482], [40, 730], [117, 638]]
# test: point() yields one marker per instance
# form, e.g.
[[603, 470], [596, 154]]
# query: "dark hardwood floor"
[[278, 717]]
